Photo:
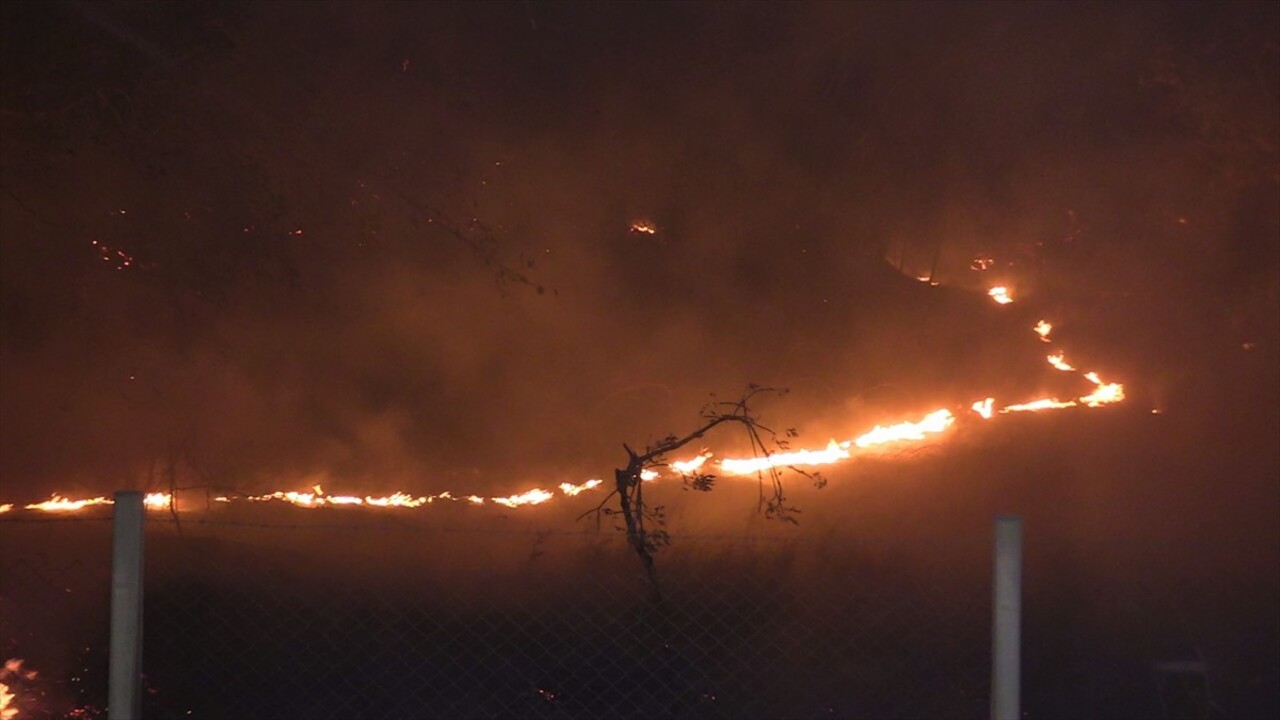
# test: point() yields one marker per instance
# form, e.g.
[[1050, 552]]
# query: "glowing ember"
[[834, 452], [1043, 329], [1001, 294], [982, 264], [571, 490], [934, 422], [648, 475], [1059, 361], [1042, 404], [475, 499], [644, 227], [6, 507], [983, 407], [533, 497]]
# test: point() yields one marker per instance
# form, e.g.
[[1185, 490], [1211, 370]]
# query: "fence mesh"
[[572, 629], [351, 618]]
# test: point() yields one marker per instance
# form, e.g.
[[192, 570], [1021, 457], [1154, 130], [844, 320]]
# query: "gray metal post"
[[1006, 621], [124, 690]]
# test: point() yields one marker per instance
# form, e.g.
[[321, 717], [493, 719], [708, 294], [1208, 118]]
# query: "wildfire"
[[156, 501], [570, 489], [1105, 394], [1042, 404], [537, 496], [983, 408], [1001, 294], [6, 697], [934, 422], [685, 467], [834, 452], [938, 421], [12, 668], [1058, 360], [58, 503]]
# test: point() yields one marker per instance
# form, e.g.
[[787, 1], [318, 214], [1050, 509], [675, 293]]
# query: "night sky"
[[248, 247], [390, 245]]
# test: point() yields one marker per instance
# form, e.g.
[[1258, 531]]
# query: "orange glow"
[[1001, 294], [644, 227], [1043, 329], [6, 507]]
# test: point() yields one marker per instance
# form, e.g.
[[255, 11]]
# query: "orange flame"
[[1042, 404], [1105, 394], [1059, 361], [934, 422], [684, 467], [571, 490], [156, 501], [58, 503], [983, 407], [834, 452], [12, 668], [537, 496]]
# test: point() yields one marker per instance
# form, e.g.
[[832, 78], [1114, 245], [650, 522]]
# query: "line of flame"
[[935, 422]]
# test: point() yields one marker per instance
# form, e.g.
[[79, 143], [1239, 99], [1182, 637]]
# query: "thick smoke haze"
[[381, 246], [389, 246]]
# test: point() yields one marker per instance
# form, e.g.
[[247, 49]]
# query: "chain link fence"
[[346, 616], [347, 621]]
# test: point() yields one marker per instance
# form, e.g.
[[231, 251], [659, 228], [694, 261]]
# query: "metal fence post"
[[124, 696], [1006, 621]]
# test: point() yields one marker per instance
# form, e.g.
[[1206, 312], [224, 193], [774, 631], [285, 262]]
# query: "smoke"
[[296, 312]]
